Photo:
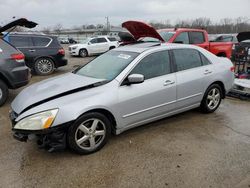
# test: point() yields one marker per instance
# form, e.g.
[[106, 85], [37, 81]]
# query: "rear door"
[[189, 77], [41, 46], [103, 44], [154, 97]]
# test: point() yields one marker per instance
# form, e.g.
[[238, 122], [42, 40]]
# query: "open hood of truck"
[[19, 22], [140, 29], [243, 36]]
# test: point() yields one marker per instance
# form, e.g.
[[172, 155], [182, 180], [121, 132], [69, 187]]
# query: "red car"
[[142, 31]]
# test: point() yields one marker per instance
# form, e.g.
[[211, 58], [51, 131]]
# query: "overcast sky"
[[78, 12]]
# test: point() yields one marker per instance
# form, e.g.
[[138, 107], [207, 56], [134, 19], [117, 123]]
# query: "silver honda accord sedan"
[[121, 89]]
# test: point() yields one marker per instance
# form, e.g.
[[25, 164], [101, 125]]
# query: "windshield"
[[108, 65], [166, 35]]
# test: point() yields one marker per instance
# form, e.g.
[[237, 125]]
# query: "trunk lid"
[[243, 36]]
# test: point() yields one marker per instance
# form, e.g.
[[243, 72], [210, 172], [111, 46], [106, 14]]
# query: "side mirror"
[[89, 43], [135, 79]]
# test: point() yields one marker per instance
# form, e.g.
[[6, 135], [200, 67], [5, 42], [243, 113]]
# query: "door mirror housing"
[[89, 43], [135, 79]]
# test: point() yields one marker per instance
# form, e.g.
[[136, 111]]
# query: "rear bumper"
[[61, 62], [20, 76]]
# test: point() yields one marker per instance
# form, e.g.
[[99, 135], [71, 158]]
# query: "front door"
[[154, 97]]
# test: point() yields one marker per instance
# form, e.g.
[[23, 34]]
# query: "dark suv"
[[13, 71], [43, 53]]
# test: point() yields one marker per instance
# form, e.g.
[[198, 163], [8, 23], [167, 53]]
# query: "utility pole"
[[108, 25]]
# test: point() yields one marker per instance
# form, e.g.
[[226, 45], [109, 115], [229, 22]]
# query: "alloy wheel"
[[90, 134], [213, 98], [45, 66]]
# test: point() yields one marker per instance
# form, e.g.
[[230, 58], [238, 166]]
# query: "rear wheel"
[[44, 66], [4, 92], [111, 47], [83, 53], [212, 99], [89, 133]]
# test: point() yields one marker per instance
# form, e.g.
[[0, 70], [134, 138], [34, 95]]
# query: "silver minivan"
[[121, 89]]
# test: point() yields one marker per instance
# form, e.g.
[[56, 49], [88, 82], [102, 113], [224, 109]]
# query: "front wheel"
[[212, 99], [89, 133], [83, 53]]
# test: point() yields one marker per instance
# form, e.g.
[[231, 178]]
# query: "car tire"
[[212, 99], [4, 92], [89, 133], [112, 47], [83, 53], [44, 66]]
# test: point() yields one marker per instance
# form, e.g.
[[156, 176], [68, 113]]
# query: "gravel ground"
[[186, 150]]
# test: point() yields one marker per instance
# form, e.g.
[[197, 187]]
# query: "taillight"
[[232, 69], [18, 57], [61, 51]]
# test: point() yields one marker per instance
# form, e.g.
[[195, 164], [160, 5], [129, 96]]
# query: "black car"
[[13, 71], [43, 53], [241, 50]]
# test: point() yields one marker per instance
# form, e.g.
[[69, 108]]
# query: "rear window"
[[20, 41], [41, 41], [101, 40], [187, 59], [197, 37]]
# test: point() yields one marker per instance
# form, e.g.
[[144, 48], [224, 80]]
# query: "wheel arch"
[[222, 54], [83, 49], [107, 113], [47, 57], [220, 83], [5, 80]]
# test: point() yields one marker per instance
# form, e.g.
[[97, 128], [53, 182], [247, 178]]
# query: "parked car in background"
[[43, 53], [199, 37], [13, 71], [225, 38], [121, 89], [64, 40], [72, 41], [93, 46]]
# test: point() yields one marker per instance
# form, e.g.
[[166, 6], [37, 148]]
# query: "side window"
[[197, 37], [153, 65], [21, 41], [187, 59], [204, 60], [93, 41], [101, 40], [41, 41], [112, 39], [182, 38]]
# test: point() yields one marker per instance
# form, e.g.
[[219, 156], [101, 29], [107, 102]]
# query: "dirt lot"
[[187, 150]]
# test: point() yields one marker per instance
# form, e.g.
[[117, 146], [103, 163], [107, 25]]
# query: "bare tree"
[[58, 28]]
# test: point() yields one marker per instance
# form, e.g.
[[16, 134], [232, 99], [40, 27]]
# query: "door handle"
[[207, 72], [32, 50], [168, 82]]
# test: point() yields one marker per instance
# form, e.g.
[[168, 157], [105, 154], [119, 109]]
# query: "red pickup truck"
[[143, 32]]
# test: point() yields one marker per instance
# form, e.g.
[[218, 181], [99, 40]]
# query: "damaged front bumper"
[[241, 89], [51, 139]]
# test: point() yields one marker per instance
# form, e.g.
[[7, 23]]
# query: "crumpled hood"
[[50, 89]]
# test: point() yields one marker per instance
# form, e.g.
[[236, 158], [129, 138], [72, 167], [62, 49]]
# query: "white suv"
[[93, 45]]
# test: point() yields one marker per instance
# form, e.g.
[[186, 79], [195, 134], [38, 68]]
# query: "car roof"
[[145, 46], [30, 34]]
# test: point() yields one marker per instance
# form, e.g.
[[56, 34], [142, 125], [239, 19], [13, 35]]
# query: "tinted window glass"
[[156, 64], [182, 38], [166, 35], [204, 60], [112, 39], [41, 41], [101, 40], [21, 41], [186, 59], [197, 37], [93, 41]]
